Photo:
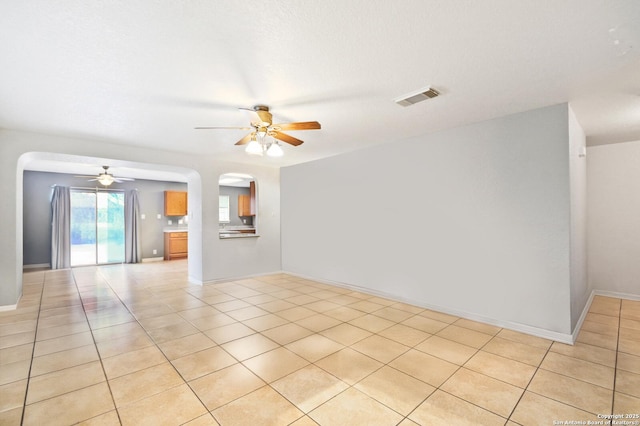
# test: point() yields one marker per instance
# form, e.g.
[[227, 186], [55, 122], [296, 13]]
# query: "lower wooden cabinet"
[[176, 245]]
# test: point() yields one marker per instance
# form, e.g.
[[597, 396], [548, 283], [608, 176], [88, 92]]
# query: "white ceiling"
[[145, 72]]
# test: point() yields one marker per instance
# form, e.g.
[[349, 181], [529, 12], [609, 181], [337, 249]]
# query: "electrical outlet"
[[244, 221], [159, 216], [170, 222], [143, 216], [180, 222], [155, 251]]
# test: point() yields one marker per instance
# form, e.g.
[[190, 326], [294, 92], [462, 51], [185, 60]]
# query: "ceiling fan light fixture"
[[254, 148], [275, 150], [105, 179]]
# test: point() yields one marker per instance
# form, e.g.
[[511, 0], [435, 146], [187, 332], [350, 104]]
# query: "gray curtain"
[[132, 251], [61, 228]]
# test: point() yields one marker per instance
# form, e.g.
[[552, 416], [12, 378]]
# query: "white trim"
[[37, 266], [8, 307], [152, 259], [242, 277], [617, 295], [585, 311], [523, 328]]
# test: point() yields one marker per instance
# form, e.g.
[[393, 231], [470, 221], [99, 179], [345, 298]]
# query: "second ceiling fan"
[[262, 126]]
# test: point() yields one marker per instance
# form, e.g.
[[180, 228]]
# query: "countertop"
[[175, 230]]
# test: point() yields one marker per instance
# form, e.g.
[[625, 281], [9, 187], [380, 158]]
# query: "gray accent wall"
[[37, 212]]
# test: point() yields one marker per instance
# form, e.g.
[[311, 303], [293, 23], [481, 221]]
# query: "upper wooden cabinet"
[[175, 203], [247, 203]]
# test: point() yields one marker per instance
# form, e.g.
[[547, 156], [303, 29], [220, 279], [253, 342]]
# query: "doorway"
[[97, 227]]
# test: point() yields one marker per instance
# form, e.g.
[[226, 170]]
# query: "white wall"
[[614, 218], [578, 181], [209, 257], [493, 237]]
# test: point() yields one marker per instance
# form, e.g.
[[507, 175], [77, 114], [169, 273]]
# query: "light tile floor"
[[137, 344]]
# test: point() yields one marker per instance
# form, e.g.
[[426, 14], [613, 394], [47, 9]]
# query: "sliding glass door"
[[97, 227]]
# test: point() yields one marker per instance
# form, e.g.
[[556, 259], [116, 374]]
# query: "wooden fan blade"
[[224, 128], [287, 138], [265, 116], [245, 140], [304, 125]]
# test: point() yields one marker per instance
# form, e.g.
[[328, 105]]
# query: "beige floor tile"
[[275, 364], [427, 368], [274, 410], [63, 359], [202, 312], [628, 383], [70, 407], [448, 350], [440, 316], [314, 347], [107, 419], [61, 330], [178, 348], [62, 343], [17, 339], [631, 347], [442, 408], [406, 335], [408, 308], [229, 332], [629, 323], [344, 313], [287, 333], [309, 387], [627, 404], [14, 371], [465, 336], [478, 326], [226, 385], [172, 332], [161, 320], [133, 361], [395, 389], [352, 407], [527, 339], [372, 323], [534, 409], [392, 314], [247, 313], [346, 334], [322, 306], [277, 305], [12, 395], [109, 348], [586, 352], [178, 404], [425, 324], [144, 383], [295, 314], [231, 305], [366, 306], [204, 362], [63, 381], [508, 370], [491, 394], [380, 348], [597, 339], [603, 319], [206, 420], [250, 346], [16, 353], [628, 362], [212, 321], [599, 327], [516, 351], [317, 323], [11, 417], [586, 371], [582, 395], [348, 365], [129, 329], [304, 421], [265, 322]]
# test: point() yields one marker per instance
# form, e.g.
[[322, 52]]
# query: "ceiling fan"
[[106, 178], [261, 126]]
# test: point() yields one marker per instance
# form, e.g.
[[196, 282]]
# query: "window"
[[224, 209]]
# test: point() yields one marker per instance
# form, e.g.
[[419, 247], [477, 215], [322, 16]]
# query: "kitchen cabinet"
[[247, 203], [175, 203], [176, 245]]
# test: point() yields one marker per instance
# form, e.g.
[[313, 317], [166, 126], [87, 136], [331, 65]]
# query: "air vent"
[[414, 98]]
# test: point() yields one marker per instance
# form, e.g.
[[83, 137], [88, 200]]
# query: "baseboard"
[[238, 278], [37, 266], [583, 315], [4, 308], [152, 259], [522, 328]]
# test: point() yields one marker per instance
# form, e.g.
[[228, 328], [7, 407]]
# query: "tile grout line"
[[33, 350], [615, 366]]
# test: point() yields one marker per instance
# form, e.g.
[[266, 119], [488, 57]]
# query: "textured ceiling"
[[147, 72]]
